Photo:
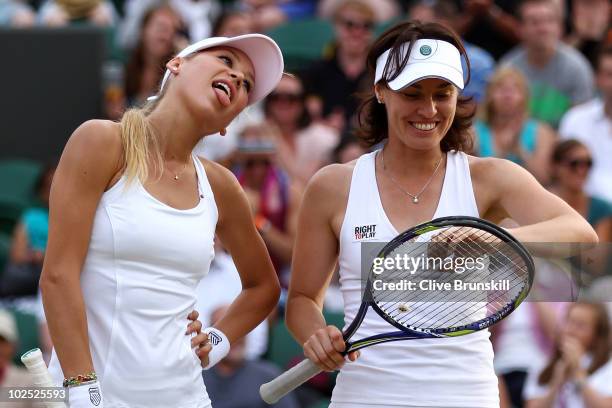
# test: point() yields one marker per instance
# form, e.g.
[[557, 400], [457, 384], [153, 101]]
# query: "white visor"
[[428, 59], [263, 52]]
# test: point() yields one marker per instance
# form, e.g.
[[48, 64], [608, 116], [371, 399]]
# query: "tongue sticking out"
[[222, 97]]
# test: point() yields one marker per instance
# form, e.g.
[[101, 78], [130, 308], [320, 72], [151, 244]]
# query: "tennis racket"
[[33, 360], [426, 312]]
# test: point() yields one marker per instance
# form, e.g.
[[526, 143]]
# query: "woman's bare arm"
[[90, 159], [236, 229], [543, 217]]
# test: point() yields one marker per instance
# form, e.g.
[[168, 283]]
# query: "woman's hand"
[[572, 352], [200, 340], [325, 347]]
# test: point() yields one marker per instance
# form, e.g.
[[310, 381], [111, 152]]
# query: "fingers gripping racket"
[[421, 313], [33, 360]]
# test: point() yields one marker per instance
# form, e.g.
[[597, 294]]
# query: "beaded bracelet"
[[80, 379]]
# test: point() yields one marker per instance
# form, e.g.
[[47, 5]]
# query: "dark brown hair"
[[600, 349], [136, 63], [372, 116], [563, 147]]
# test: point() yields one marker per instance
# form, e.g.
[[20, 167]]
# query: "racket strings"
[[460, 303], [464, 242]]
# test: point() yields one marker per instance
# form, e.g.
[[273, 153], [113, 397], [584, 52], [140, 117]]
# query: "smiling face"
[[214, 83], [420, 115]]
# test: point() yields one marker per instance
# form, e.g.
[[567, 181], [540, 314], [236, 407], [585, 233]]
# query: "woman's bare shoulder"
[[333, 178], [492, 169], [97, 142], [222, 180]]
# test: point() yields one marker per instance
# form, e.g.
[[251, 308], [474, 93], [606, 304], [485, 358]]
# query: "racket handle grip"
[[33, 360], [274, 390]]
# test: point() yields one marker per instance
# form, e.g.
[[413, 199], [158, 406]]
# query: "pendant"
[[175, 177], [415, 200]]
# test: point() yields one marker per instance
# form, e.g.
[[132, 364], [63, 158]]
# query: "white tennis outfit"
[[453, 372], [144, 262]]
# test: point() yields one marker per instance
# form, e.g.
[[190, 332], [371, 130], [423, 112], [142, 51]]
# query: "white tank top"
[[453, 372], [144, 262]]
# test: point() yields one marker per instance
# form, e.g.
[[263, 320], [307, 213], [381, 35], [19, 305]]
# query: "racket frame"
[[408, 334]]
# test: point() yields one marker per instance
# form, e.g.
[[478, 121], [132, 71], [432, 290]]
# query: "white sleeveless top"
[[144, 262], [453, 372]]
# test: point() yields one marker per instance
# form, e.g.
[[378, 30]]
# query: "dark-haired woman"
[[579, 372], [421, 173], [304, 146], [156, 45], [571, 164]]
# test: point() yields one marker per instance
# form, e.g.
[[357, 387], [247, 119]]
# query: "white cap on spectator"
[[428, 59], [263, 52], [8, 327]]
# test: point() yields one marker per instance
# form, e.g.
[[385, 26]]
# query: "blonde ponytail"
[[140, 143]]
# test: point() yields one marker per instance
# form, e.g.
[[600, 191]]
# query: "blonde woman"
[[133, 215], [507, 131]]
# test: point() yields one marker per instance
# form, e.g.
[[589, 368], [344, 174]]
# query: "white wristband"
[[220, 346], [85, 396]]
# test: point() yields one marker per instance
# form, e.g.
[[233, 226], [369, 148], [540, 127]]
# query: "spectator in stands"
[[384, 10], [506, 129], [578, 373], [266, 14], [196, 14], [233, 23], [234, 382], [572, 162], [304, 146], [57, 13], [331, 83], [489, 24], [11, 375], [160, 34], [348, 149], [591, 123], [559, 76], [590, 21], [482, 63], [16, 13], [523, 342], [274, 198], [216, 147], [22, 272]]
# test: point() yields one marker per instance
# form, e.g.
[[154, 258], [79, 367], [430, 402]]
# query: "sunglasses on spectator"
[[285, 97], [576, 164], [250, 163], [351, 24]]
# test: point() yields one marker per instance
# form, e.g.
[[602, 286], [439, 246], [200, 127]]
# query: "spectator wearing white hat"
[[10, 374]]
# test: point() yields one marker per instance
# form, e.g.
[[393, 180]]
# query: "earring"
[[223, 132]]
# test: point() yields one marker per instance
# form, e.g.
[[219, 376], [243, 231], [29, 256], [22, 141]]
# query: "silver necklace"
[[415, 197], [177, 175]]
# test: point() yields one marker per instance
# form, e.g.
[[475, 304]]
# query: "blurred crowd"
[[541, 85]]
